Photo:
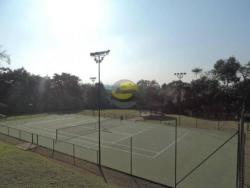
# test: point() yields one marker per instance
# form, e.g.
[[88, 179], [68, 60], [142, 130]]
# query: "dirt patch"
[[26, 146]]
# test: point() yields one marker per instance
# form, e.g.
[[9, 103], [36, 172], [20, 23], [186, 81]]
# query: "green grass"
[[26, 116], [26, 169]]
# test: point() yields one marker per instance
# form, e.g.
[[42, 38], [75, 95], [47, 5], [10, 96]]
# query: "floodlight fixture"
[[92, 79], [99, 56], [180, 75]]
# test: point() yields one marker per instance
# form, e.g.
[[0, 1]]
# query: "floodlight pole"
[[98, 57], [93, 82], [179, 75]]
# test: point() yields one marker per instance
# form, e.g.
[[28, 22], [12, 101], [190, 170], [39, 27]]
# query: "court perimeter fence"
[[77, 151]]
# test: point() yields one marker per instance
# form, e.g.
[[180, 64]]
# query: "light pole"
[[179, 75], [98, 57], [94, 105]]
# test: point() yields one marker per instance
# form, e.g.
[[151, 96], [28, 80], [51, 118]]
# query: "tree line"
[[220, 90]]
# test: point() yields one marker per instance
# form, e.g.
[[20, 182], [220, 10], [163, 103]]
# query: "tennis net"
[[79, 130]]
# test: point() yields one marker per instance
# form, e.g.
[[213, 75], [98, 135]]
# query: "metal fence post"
[[240, 153], [243, 159], [238, 156], [53, 148], [175, 162], [97, 157], [74, 159], [131, 155]]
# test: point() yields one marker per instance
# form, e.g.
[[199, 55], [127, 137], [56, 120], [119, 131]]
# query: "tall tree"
[[204, 95], [226, 70], [4, 57], [197, 71], [65, 93], [245, 71]]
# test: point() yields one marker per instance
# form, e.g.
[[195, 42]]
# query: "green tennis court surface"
[[143, 149]]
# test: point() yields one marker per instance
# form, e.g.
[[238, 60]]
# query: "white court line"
[[171, 144], [138, 148], [107, 142], [116, 142], [120, 133], [77, 123], [46, 121], [131, 135], [47, 129], [117, 149], [28, 128]]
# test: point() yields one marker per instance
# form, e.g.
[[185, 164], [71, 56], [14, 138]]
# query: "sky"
[[147, 39]]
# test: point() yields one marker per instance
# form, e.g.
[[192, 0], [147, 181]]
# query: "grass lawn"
[[25, 169], [26, 116]]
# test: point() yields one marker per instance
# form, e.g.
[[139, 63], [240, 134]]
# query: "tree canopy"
[[197, 71], [220, 90]]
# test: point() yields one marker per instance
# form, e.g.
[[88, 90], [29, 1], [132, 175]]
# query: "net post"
[[131, 155], [74, 158]]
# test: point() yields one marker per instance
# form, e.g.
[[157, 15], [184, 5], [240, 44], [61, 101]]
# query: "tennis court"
[[143, 149]]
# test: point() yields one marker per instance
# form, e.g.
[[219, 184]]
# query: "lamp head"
[[101, 53]]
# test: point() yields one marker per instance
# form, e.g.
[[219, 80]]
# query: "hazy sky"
[[148, 39]]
